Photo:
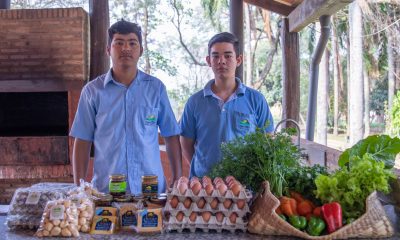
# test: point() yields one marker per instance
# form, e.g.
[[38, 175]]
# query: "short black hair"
[[124, 27], [224, 37]]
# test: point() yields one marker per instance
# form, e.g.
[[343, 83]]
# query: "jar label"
[[149, 188], [117, 187]]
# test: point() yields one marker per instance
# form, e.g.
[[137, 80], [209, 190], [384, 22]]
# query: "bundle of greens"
[[303, 181], [257, 157], [364, 168]]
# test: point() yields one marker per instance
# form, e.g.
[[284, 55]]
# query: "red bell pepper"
[[332, 213]]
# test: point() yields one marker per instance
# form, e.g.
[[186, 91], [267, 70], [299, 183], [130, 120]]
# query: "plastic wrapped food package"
[[27, 206], [59, 219]]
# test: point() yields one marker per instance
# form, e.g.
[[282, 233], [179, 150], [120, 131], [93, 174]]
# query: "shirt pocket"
[[244, 122]]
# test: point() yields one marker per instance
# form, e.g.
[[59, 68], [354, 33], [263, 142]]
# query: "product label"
[[117, 187], [57, 212], [103, 224], [105, 211], [76, 201], [149, 219], [33, 198], [149, 189], [128, 219]]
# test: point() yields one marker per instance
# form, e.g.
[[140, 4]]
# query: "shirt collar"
[[241, 89], [109, 77]]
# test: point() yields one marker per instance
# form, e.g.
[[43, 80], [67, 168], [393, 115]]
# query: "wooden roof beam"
[[310, 10], [276, 7]]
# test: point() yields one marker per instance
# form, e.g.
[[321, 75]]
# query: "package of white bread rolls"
[[59, 219]]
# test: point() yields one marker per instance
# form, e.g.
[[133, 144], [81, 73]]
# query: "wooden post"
[[99, 23], [236, 27], [5, 4], [290, 74]]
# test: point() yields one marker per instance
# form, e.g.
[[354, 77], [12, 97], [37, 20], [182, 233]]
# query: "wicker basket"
[[263, 220]]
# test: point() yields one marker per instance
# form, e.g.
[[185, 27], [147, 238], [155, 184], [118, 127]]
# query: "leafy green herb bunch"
[[258, 157]]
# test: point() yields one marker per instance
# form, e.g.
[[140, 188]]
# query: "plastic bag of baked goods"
[[85, 210], [59, 219]]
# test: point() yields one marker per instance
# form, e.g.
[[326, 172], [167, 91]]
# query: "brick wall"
[[44, 44]]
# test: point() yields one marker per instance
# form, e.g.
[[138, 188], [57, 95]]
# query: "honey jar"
[[150, 185], [117, 185]]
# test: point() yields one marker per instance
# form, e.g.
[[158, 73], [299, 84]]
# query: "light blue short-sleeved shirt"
[[209, 122], [123, 123]]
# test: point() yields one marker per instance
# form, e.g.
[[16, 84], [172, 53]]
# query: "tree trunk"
[[335, 57], [248, 58], [145, 33], [322, 99], [366, 102], [356, 98], [391, 71]]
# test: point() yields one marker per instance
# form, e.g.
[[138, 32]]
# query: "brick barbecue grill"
[[44, 62]]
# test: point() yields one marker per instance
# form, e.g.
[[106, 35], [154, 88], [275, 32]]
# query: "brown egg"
[[236, 189], [206, 216], [229, 178], [233, 217], [182, 187], [193, 216], [214, 203], [240, 203], [222, 188], [193, 183], [219, 216], [227, 203], [217, 180], [187, 202], [200, 203], [174, 202], [183, 179], [206, 180], [209, 189], [196, 187], [231, 183], [179, 216], [194, 179]]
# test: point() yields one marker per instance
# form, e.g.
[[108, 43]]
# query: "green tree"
[[395, 116]]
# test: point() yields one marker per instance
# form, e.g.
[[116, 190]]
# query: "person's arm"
[[80, 158], [173, 148], [187, 149]]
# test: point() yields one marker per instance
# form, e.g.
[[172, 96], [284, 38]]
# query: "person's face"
[[125, 50], [223, 60]]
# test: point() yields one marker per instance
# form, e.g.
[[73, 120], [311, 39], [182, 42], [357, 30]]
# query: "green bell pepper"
[[298, 222], [315, 226], [282, 216]]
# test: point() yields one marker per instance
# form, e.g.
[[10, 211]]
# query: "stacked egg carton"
[[207, 206]]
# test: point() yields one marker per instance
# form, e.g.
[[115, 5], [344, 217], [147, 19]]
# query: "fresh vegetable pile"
[[311, 199], [364, 168]]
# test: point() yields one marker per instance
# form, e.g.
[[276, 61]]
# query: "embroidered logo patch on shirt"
[[244, 123], [151, 119]]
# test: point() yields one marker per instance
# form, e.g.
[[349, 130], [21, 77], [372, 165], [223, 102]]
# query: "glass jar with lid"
[[117, 185], [150, 186]]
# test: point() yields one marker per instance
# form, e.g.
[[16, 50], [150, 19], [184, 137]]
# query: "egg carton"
[[174, 225], [244, 194], [207, 208]]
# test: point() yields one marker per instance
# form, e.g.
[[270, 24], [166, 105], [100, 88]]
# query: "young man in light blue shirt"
[[224, 110], [120, 112]]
